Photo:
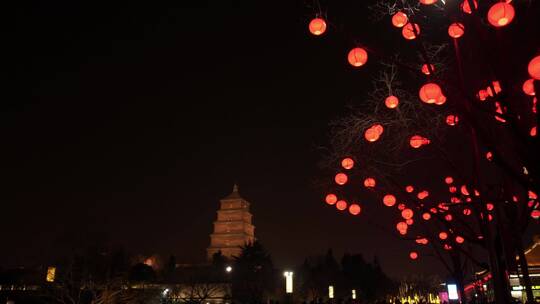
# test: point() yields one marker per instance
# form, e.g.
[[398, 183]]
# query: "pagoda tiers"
[[233, 228]]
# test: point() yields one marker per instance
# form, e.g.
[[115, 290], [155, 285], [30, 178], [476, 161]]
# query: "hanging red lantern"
[[483, 95], [501, 14], [409, 32], [443, 235], [399, 19], [407, 213], [347, 163], [489, 156], [452, 120], [441, 100], [369, 182], [402, 226], [401, 207], [532, 195], [452, 189], [425, 68], [489, 206], [413, 255], [448, 180], [373, 133], [456, 30], [354, 209], [417, 141], [467, 211], [497, 86], [447, 247], [409, 221], [535, 214], [534, 68], [466, 8], [533, 131], [409, 189], [341, 205], [331, 199], [448, 217], [422, 194], [430, 93], [391, 102], [426, 216], [341, 179], [428, 2], [464, 190], [528, 87], [433, 210], [358, 57], [317, 26], [389, 200]]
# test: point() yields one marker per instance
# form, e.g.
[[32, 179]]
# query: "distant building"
[[233, 228]]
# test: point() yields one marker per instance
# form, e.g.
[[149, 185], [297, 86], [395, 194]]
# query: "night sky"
[[131, 121]]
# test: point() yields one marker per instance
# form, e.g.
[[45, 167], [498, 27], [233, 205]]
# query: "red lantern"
[[409, 221], [534, 68], [448, 217], [443, 235], [441, 100], [331, 199], [389, 200], [452, 120], [483, 95], [426, 216], [409, 32], [535, 214], [402, 226], [355, 209], [425, 68], [430, 93], [417, 141], [467, 211], [452, 189], [464, 190], [369, 182], [497, 86], [413, 255], [532, 195], [422, 194], [341, 179], [460, 239], [341, 205], [456, 30], [428, 2], [489, 206], [317, 26], [528, 87], [466, 8], [500, 14], [401, 207], [448, 180], [489, 156], [347, 163], [391, 102], [407, 214], [409, 189], [358, 57], [447, 247], [399, 19], [533, 131]]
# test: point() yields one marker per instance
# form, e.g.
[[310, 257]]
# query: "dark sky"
[[133, 120]]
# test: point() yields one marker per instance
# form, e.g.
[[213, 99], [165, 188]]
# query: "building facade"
[[233, 227]]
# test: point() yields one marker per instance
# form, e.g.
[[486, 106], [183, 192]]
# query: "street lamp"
[[288, 281]]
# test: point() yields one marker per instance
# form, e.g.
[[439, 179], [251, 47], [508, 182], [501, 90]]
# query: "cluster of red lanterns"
[[418, 141], [431, 93], [373, 133]]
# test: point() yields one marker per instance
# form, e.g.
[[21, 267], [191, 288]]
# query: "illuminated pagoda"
[[233, 228]]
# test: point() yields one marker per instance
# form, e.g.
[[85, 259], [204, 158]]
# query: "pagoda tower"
[[233, 228]]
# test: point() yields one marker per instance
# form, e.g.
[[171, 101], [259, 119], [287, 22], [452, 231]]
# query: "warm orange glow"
[[341, 179], [347, 163], [426, 216], [456, 30], [448, 180], [422, 194], [402, 226], [501, 14], [443, 235], [413, 255], [466, 8], [409, 221], [528, 87], [534, 68], [373, 133], [452, 120], [433, 210], [425, 69], [407, 213], [497, 86], [483, 95], [317, 26], [51, 274], [331, 199], [408, 31], [355, 209], [417, 141], [428, 2], [389, 200], [341, 205], [399, 19], [369, 182], [409, 188], [467, 211], [430, 93], [391, 102], [357, 57], [422, 241]]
